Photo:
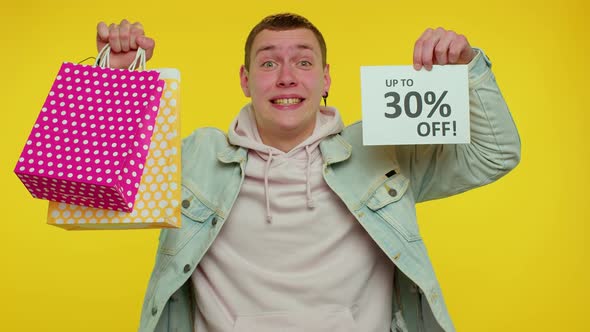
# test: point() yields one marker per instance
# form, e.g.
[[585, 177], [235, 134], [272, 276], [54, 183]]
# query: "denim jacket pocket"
[[193, 208], [194, 215], [391, 202]]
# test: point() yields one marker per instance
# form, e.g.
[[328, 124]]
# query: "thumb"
[[147, 44]]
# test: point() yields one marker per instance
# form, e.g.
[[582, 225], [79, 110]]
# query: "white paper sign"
[[404, 106]]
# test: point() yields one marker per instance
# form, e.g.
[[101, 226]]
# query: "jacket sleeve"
[[438, 171]]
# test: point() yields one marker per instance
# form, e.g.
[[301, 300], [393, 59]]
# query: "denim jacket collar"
[[335, 149], [233, 154]]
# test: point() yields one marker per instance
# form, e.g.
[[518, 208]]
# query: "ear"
[[327, 79], [244, 81]]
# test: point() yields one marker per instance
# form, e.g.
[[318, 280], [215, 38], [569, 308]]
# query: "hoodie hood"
[[243, 132]]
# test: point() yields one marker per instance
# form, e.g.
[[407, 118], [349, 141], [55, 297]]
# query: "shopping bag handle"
[[103, 58]]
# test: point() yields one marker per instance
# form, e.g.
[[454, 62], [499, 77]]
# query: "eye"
[[305, 63], [268, 64]]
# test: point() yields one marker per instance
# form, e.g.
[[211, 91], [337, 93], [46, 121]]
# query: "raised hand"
[[441, 47], [124, 39]]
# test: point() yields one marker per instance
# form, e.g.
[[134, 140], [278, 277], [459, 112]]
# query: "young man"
[[289, 222]]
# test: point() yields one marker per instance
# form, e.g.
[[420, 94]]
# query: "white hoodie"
[[290, 256]]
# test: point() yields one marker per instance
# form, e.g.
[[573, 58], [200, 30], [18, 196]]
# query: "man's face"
[[286, 81]]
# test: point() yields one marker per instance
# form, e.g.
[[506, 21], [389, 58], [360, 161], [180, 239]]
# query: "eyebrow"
[[273, 47]]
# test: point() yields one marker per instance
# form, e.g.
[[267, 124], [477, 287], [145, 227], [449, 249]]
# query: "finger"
[[136, 31], [458, 47], [124, 35], [442, 48], [417, 54], [428, 48], [148, 45], [114, 38], [102, 32], [102, 35], [418, 46]]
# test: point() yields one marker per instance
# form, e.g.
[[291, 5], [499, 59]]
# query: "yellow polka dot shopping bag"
[[105, 149]]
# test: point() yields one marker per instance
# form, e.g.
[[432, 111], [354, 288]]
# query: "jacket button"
[[214, 221], [154, 310], [186, 203], [187, 268], [392, 192]]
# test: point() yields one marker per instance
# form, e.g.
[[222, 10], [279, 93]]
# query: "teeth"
[[287, 101]]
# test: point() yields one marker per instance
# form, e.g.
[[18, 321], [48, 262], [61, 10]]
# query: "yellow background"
[[511, 256]]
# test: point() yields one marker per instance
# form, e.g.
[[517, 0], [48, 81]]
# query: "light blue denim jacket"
[[380, 185]]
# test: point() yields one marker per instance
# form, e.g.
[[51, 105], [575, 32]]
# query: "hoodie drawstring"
[[266, 169], [310, 202]]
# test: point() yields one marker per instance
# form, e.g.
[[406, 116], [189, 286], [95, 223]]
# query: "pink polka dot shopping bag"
[[105, 148]]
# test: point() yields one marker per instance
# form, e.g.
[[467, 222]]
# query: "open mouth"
[[287, 101]]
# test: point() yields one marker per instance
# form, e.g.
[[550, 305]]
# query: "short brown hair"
[[282, 22]]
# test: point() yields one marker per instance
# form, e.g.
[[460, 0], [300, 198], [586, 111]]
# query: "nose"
[[286, 77]]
